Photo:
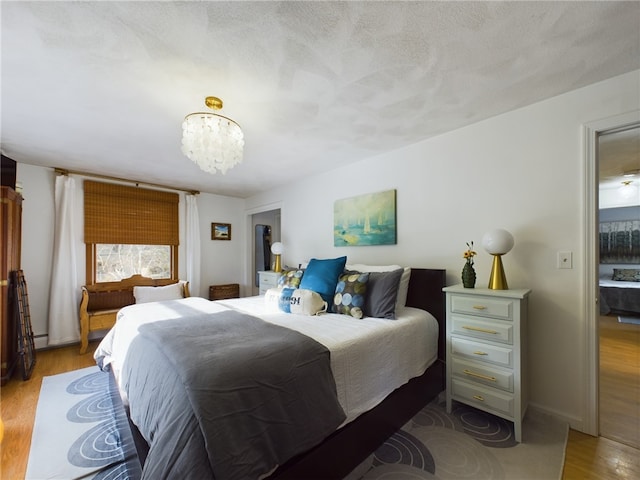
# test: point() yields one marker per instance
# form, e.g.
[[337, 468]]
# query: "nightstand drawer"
[[483, 397], [268, 279], [478, 328], [478, 373], [484, 306], [482, 352]]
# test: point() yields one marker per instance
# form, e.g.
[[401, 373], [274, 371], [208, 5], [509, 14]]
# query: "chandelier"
[[212, 141]]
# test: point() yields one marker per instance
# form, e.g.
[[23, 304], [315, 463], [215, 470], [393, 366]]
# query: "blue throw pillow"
[[321, 276]]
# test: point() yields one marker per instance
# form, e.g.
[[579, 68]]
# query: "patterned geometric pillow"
[[350, 295], [626, 274], [290, 278]]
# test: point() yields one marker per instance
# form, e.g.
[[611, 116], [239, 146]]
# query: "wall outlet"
[[565, 260]]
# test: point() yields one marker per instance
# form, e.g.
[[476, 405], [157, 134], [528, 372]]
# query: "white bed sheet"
[[370, 357], [607, 282]]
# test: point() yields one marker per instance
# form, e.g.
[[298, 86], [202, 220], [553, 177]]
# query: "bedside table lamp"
[[497, 242], [277, 248]]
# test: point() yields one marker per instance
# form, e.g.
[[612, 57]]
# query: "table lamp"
[[497, 242], [277, 248]]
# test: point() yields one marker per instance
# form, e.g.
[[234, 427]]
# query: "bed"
[[619, 297], [342, 415]]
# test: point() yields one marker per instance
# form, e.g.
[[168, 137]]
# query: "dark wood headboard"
[[425, 292]]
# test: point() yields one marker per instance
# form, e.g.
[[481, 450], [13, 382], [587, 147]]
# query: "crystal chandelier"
[[212, 141]]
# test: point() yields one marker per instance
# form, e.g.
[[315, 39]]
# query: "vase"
[[468, 276]]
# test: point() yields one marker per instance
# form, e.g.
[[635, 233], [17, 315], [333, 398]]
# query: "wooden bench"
[[101, 302]]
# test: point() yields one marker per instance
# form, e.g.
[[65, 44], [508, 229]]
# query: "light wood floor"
[[587, 457], [620, 381]]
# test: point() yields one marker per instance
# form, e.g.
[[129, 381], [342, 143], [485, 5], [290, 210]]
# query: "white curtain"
[[192, 237], [64, 323]]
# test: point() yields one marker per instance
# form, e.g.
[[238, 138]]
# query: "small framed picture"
[[220, 231]]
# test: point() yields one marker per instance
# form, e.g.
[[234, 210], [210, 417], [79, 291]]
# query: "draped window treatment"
[[192, 240], [64, 293]]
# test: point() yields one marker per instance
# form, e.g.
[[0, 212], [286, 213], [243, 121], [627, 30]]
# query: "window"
[[128, 231], [117, 261]]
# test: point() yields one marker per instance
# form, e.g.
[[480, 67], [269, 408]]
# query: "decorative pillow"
[[294, 300], [306, 302], [158, 294], [290, 278], [272, 299], [382, 291], [351, 291], [626, 274], [321, 276]]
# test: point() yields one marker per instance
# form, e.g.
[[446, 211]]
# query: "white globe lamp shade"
[[497, 242], [277, 248]]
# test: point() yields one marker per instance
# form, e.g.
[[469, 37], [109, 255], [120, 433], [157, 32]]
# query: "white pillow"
[[403, 287], [158, 294]]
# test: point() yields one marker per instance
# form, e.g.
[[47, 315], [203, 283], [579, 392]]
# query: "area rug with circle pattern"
[[81, 430], [468, 444]]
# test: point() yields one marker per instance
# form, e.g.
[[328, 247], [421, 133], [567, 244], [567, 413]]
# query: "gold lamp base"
[[278, 266], [497, 280]]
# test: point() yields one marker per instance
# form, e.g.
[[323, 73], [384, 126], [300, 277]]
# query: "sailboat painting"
[[365, 220]]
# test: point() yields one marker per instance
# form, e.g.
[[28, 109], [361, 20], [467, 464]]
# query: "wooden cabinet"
[[268, 279], [11, 221], [486, 351]]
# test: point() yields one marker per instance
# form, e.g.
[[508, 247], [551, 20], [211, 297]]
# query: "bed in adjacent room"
[[237, 389], [620, 292]]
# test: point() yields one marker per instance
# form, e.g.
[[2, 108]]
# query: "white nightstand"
[[486, 351], [267, 280]]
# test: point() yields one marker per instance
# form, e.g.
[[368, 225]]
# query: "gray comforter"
[[229, 397], [619, 300]]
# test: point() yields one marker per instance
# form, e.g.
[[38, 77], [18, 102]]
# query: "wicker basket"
[[220, 292]]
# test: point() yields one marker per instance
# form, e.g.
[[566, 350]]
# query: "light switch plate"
[[565, 260]]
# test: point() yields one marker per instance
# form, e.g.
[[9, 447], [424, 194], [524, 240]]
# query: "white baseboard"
[[575, 423]]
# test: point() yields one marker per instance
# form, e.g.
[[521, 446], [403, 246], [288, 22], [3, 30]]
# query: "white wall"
[[523, 171], [222, 261]]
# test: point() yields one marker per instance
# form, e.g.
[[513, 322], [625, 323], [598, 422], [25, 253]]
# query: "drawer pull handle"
[[479, 307], [478, 352], [478, 329], [479, 375], [479, 397]]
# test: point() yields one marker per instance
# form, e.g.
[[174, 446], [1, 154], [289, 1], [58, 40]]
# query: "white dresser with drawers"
[[487, 351], [268, 279]]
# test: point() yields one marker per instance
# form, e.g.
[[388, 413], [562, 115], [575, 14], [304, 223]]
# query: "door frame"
[[591, 134], [248, 257]]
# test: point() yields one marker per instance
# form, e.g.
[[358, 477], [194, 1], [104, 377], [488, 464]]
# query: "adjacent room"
[[320, 240]]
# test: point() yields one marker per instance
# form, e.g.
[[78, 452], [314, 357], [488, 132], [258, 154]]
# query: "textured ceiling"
[[103, 87]]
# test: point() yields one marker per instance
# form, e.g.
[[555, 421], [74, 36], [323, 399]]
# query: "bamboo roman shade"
[[118, 214]]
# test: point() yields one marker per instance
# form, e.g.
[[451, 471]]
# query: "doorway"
[[592, 132], [618, 158], [264, 225]]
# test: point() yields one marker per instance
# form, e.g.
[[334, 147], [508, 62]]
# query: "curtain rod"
[[64, 171]]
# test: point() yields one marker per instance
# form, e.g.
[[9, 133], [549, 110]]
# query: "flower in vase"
[[469, 254]]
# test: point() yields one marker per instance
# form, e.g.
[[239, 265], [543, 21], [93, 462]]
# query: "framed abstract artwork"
[[620, 241], [368, 219]]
